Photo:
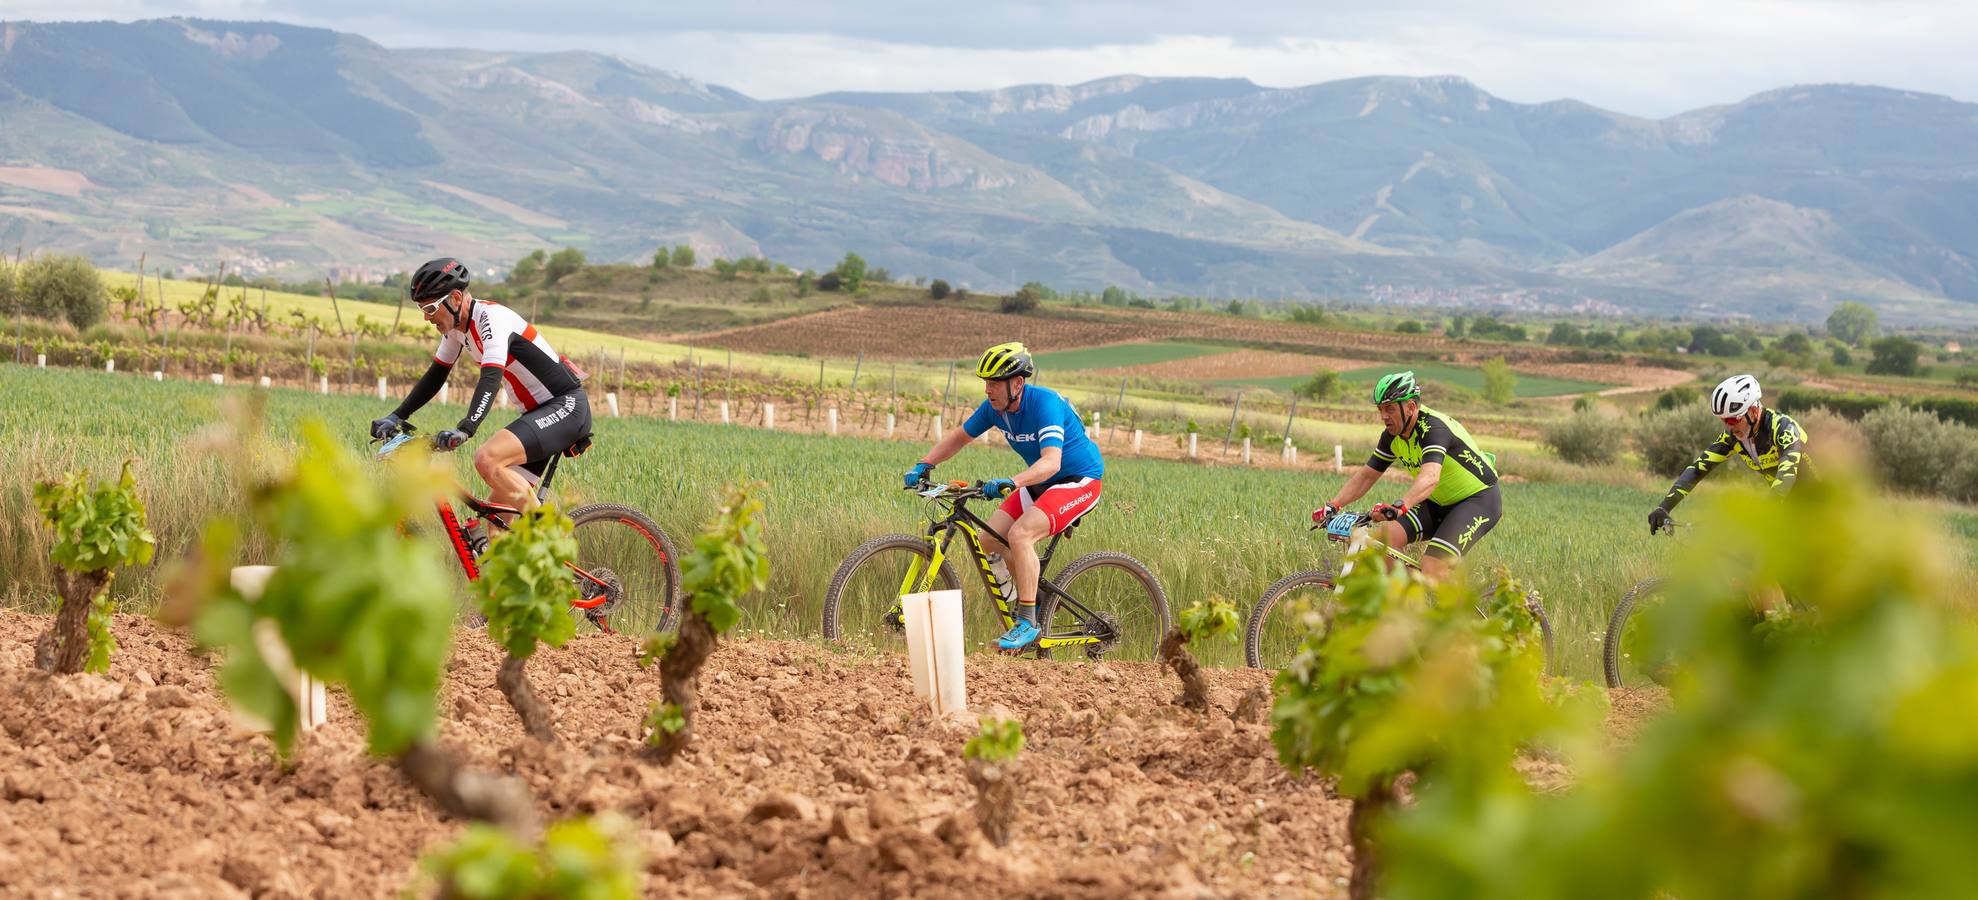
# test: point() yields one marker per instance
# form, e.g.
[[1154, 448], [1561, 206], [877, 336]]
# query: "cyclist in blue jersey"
[[1060, 484]]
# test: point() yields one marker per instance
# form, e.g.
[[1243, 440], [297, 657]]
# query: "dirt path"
[[1125, 794]]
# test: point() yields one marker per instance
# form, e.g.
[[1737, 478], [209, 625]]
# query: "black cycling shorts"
[[550, 428], [1452, 530]]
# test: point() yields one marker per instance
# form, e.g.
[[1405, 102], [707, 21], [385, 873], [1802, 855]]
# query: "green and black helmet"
[[1005, 361], [1396, 387]]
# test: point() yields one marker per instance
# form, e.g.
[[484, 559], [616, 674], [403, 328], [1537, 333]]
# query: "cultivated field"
[[1205, 532]]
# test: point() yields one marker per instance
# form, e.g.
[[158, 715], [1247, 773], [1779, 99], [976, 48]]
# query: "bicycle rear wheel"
[[631, 554], [862, 605], [1295, 607], [1128, 610]]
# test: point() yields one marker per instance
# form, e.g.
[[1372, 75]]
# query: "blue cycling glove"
[[919, 473], [997, 488]]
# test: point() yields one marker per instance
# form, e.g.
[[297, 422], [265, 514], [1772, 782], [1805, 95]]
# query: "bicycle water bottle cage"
[[1340, 527]]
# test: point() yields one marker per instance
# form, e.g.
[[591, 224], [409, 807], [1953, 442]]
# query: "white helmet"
[[1737, 394]]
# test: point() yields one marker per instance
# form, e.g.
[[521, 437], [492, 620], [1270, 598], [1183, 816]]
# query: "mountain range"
[[295, 150]]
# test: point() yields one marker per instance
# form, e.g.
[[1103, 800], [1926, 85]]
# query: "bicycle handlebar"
[[948, 490], [400, 438]]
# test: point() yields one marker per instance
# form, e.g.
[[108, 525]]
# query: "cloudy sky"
[[1652, 58]]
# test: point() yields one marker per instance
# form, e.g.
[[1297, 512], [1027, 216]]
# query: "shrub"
[[829, 281], [1023, 301], [62, 287], [938, 290], [1587, 439], [1408, 326], [1893, 356], [1323, 385], [8, 295], [1500, 384], [1850, 406], [661, 258], [562, 263], [851, 273], [1669, 441], [1679, 397], [1913, 450]]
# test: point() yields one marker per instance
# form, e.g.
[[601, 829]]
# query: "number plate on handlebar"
[[396, 441], [1341, 526]]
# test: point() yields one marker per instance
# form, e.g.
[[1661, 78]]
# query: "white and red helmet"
[[1735, 395]]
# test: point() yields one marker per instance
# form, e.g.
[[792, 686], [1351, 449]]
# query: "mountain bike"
[[627, 573], [1616, 659], [1278, 626], [1097, 603]]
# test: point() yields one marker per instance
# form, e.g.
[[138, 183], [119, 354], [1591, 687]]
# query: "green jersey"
[[1436, 438]]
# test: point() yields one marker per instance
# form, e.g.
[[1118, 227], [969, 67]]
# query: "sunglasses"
[[429, 307]]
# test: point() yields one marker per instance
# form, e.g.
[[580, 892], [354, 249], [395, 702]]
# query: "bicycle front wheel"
[[1618, 655], [1297, 606], [1116, 607], [628, 568], [862, 605]]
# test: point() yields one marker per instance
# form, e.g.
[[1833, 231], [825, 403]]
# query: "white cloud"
[[1651, 59]]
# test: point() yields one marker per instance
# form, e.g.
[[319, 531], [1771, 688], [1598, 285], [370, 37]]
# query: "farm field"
[[1223, 531], [1116, 356], [1143, 797], [1465, 377]]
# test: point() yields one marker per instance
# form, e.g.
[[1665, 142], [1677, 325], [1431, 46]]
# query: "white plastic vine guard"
[[311, 701], [935, 649]]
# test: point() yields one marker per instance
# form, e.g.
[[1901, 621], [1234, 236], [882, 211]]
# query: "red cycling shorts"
[[1063, 503]]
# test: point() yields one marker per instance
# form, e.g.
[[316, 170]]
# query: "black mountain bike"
[[1279, 622], [628, 578], [1097, 603]]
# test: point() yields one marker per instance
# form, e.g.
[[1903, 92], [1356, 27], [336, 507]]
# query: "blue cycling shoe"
[[1020, 637]]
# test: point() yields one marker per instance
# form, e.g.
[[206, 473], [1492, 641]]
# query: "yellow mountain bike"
[[1098, 603]]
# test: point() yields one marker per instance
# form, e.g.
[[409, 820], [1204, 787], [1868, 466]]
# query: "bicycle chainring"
[[895, 620]]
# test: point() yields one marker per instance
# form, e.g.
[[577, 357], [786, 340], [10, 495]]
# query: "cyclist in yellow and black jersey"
[[1772, 444], [1454, 500]]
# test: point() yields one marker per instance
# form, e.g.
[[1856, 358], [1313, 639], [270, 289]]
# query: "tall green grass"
[[1221, 531]]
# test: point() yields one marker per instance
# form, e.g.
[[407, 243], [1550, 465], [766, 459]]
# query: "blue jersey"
[[1043, 419]]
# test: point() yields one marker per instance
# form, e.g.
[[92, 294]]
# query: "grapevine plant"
[[525, 591], [356, 605], [98, 527], [1199, 623], [727, 562], [992, 757]]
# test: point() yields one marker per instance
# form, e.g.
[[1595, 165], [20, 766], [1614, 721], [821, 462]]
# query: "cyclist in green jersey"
[[1772, 444], [1453, 501]]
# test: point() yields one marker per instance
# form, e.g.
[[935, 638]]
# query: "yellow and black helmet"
[[1005, 361]]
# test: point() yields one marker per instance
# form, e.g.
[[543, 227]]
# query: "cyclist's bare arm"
[[1046, 466], [1424, 484], [1355, 487], [949, 445]]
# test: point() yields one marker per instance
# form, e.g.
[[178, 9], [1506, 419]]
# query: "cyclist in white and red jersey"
[[555, 412]]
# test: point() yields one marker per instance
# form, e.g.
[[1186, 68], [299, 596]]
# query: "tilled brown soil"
[[815, 774]]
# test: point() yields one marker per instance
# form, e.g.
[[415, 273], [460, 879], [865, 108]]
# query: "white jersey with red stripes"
[[497, 336]]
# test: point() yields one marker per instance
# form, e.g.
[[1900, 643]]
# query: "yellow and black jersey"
[[1777, 450]]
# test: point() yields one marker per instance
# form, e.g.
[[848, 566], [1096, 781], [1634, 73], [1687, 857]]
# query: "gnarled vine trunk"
[[1174, 655], [467, 793], [514, 683], [1359, 828], [64, 647], [995, 798], [680, 679]]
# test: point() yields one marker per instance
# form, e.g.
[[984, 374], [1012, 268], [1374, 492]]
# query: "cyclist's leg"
[[1050, 510], [493, 460], [1419, 523], [1460, 528], [533, 438]]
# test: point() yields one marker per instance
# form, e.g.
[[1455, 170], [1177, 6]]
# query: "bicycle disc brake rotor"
[[1108, 635], [895, 620], [612, 590]]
